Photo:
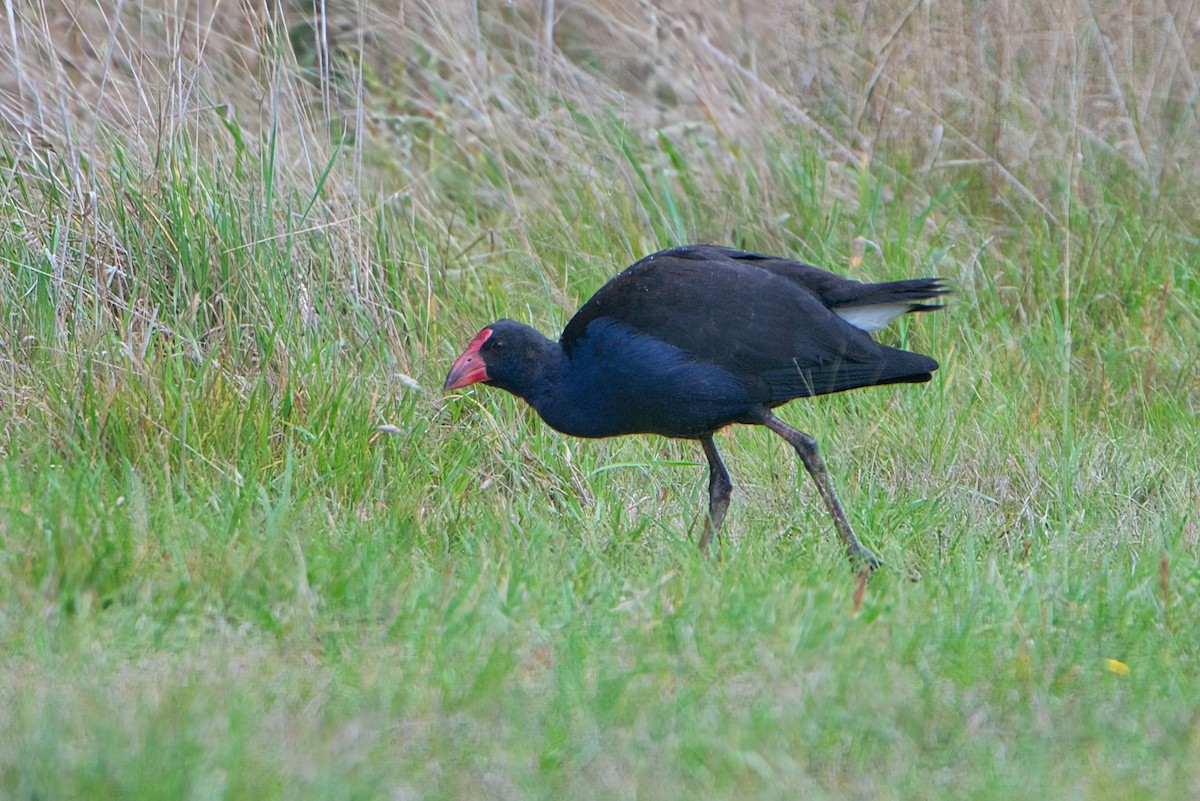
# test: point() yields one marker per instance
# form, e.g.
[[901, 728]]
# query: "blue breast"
[[616, 381]]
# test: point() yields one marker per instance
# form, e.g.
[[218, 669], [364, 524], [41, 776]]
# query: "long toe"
[[864, 559]]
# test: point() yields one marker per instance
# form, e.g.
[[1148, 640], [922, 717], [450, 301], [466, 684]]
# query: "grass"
[[249, 550]]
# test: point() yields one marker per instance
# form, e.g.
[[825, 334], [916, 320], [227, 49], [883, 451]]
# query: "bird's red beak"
[[469, 368]]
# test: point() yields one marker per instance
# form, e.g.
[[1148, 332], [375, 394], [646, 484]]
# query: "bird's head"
[[505, 354]]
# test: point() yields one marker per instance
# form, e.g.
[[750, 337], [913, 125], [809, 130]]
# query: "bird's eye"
[[497, 345]]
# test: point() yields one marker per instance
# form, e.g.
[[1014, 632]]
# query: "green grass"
[[219, 578]]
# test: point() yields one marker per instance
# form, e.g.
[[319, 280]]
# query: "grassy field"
[[248, 550]]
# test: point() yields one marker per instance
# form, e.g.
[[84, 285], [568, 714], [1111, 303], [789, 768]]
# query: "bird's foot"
[[863, 560]]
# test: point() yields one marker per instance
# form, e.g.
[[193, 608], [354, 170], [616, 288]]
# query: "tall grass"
[[247, 548]]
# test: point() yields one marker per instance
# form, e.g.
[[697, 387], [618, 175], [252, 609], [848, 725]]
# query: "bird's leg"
[[806, 448], [720, 487]]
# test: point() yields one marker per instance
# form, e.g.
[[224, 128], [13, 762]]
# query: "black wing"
[[767, 321], [835, 291]]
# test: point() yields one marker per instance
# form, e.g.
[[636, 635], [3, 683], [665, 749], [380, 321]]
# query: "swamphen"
[[691, 339]]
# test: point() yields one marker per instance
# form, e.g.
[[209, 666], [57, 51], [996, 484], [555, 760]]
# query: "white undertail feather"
[[872, 318]]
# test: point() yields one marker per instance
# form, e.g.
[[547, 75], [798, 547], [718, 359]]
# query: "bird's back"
[[782, 328]]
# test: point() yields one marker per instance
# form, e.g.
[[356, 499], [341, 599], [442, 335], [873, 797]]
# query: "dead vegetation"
[[1022, 89]]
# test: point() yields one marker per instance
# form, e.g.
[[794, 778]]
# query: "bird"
[[689, 340]]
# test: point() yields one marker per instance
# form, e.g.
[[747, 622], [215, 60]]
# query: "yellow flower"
[[1117, 666]]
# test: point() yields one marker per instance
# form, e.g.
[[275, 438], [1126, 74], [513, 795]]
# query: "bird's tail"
[[872, 306]]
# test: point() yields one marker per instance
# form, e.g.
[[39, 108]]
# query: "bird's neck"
[[575, 396], [563, 392], [540, 378]]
